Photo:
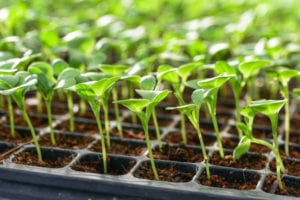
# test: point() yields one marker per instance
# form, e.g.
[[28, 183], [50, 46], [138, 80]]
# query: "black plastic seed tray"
[[71, 182]]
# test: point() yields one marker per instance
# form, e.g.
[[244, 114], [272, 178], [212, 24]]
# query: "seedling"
[[16, 86], [283, 76], [45, 86], [152, 98], [191, 111], [213, 85], [93, 92], [271, 109]]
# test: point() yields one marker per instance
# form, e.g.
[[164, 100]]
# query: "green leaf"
[[100, 87], [8, 81], [59, 65], [148, 82], [153, 96], [199, 96], [242, 148], [184, 71], [215, 82], [135, 105], [223, 67], [167, 73], [267, 107], [185, 109], [44, 73], [244, 128], [284, 75], [251, 68], [192, 84], [85, 91], [67, 77], [135, 79], [114, 70]]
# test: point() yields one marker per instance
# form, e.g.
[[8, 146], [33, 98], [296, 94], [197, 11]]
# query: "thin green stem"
[[82, 107], [33, 134], [39, 102], [71, 110], [106, 122], [131, 95], [157, 130], [50, 122], [287, 126], [1, 101], [183, 129], [238, 111], [96, 111], [145, 127], [11, 117], [219, 140], [117, 112]]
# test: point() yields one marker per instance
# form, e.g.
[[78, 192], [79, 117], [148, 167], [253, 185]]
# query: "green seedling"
[[45, 86], [191, 111], [271, 109], [115, 70], [94, 93], [16, 86], [152, 98], [65, 80], [283, 76], [213, 85]]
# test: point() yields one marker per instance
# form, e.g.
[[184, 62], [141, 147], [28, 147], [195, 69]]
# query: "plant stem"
[[11, 117], [287, 126], [49, 115], [219, 140], [96, 111], [117, 112], [237, 111], [131, 95], [71, 110], [145, 126], [33, 134], [106, 122], [203, 151], [158, 135], [82, 107], [39, 102], [183, 129]]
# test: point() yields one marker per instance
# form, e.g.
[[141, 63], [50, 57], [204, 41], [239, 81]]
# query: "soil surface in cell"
[[55, 110], [294, 152], [20, 137], [37, 122], [291, 166], [122, 148], [177, 153], [66, 141], [248, 161], [80, 127], [133, 133], [221, 182], [271, 186], [168, 173], [192, 139], [30, 158], [162, 122], [95, 166], [230, 143]]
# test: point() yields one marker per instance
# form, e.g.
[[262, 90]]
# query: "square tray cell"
[[51, 158], [230, 178], [93, 163], [167, 171]]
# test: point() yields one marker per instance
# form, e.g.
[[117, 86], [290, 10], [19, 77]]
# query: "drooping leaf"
[[114, 70], [135, 105], [242, 148], [148, 82], [222, 67], [267, 107], [67, 77], [184, 71], [153, 96], [251, 68], [199, 96], [101, 86], [85, 91], [167, 73], [215, 82]]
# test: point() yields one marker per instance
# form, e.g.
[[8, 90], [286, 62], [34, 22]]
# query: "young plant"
[[115, 70], [213, 85], [45, 86], [152, 98], [283, 76], [16, 86], [192, 111], [271, 109], [93, 92], [65, 80]]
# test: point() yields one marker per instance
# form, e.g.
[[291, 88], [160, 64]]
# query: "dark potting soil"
[[292, 167], [271, 186], [80, 127], [56, 110], [177, 153], [36, 121], [20, 137], [221, 182], [258, 132], [206, 126], [95, 166], [162, 121], [294, 137], [167, 173], [132, 133], [294, 152], [66, 141], [230, 143], [192, 139], [294, 121], [30, 158], [124, 148], [248, 161]]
